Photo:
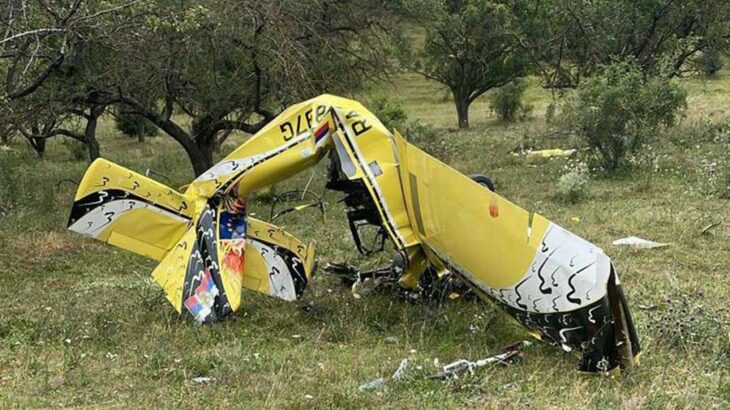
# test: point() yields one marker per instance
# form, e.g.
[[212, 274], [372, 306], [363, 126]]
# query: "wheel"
[[483, 180]]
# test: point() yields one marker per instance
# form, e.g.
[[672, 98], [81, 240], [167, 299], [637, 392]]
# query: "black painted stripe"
[[298, 273], [416, 204], [99, 198]]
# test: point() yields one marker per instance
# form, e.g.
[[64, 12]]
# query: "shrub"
[[573, 184], [418, 131], [506, 102], [135, 126], [617, 111], [390, 113], [551, 113], [715, 177]]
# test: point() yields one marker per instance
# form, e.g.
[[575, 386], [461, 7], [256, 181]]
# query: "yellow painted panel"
[[466, 222], [136, 246], [105, 175], [147, 227], [170, 273], [255, 273]]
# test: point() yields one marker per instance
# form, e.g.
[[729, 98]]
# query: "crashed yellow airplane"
[[563, 289]]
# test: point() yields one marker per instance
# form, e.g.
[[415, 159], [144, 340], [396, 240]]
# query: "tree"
[[38, 119], [572, 40], [231, 65], [471, 48], [222, 65], [50, 62]]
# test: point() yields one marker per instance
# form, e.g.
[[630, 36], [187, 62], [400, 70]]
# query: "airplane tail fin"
[[203, 265], [129, 210]]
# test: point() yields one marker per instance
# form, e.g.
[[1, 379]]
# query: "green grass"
[[82, 324]]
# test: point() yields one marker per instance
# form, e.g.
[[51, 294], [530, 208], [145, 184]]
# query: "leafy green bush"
[[506, 101], [390, 113], [617, 111], [418, 131], [135, 126], [573, 184], [432, 140]]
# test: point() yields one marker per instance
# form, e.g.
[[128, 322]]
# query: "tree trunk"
[[39, 145], [90, 132], [205, 142], [204, 135], [200, 160], [462, 110], [207, 151], [140, 137]]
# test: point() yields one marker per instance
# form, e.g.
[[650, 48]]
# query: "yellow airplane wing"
[[551, 281], [129, 210]]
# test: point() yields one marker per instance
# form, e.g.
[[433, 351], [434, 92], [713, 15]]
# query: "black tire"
[[483, 180]]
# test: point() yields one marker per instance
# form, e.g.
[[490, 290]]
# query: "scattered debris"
[[454, 369], [391, 339], [372, 385], [551, 153], [639, 243], [202, 379], [708, 227], [351, 276], [400, 371], [380, 382]]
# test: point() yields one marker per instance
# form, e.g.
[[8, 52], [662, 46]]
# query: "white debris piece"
[[372, 385], [454, 369], [202, 379], [401, 370], [638, 243], [380, 382]]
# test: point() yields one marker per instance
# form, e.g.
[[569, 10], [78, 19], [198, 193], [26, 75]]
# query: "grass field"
[[83, 325]]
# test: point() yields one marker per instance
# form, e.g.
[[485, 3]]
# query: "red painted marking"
[[493, 210]]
